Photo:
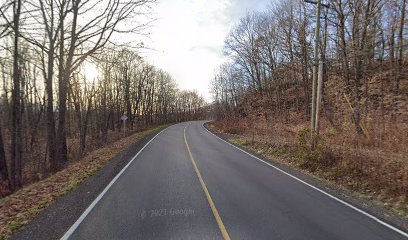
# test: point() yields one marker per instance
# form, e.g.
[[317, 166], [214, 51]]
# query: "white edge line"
[[317, 189], [72, 229]]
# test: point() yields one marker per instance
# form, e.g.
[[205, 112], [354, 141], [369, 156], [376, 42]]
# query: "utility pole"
[[314, 118], [319, 96], [315, 67]]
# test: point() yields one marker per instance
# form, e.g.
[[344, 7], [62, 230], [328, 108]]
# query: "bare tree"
[[399, 65], [88, 37], [16, 138], [4, 27]]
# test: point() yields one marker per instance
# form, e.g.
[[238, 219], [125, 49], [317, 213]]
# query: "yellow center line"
[[207, 194]]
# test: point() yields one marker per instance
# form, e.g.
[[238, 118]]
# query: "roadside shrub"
[[318, 158]]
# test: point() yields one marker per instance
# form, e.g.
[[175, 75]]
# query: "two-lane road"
[[188, 184]]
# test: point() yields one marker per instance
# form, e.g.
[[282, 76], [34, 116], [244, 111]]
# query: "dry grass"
[[371, 167], [36, 164], [20, 207]]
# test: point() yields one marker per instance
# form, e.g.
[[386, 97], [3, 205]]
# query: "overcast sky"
[[188, 37]]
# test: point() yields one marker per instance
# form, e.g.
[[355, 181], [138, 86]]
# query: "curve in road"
[[187, 183]]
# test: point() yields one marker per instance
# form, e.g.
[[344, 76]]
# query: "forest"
[[316, 89], [54, 109], [263, 94]]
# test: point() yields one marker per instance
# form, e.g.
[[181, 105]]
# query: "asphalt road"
[[188, 184]]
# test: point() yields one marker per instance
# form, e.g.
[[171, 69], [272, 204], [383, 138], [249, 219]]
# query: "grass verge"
[[17, 209], [380, 183]]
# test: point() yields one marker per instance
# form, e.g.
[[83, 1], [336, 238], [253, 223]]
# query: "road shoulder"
[[53, 221], [329, 187]]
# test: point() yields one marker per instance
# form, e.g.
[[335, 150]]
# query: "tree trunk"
[[63, 81], [16, 140], [398, 69], [50, 109], [60, 141], [3, 163]]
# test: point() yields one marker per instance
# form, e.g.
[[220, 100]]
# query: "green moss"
[[73, 184], [14, 226], [238, 141], [34, 210]]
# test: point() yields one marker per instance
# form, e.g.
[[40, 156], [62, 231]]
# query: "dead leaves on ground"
[[20, 207]]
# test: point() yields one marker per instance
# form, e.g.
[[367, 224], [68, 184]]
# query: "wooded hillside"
[[264, 92]]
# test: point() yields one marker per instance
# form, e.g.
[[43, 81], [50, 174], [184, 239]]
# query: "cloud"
[[188, 37], [212, 49]]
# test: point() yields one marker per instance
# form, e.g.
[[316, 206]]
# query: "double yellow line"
[[207, 194]]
